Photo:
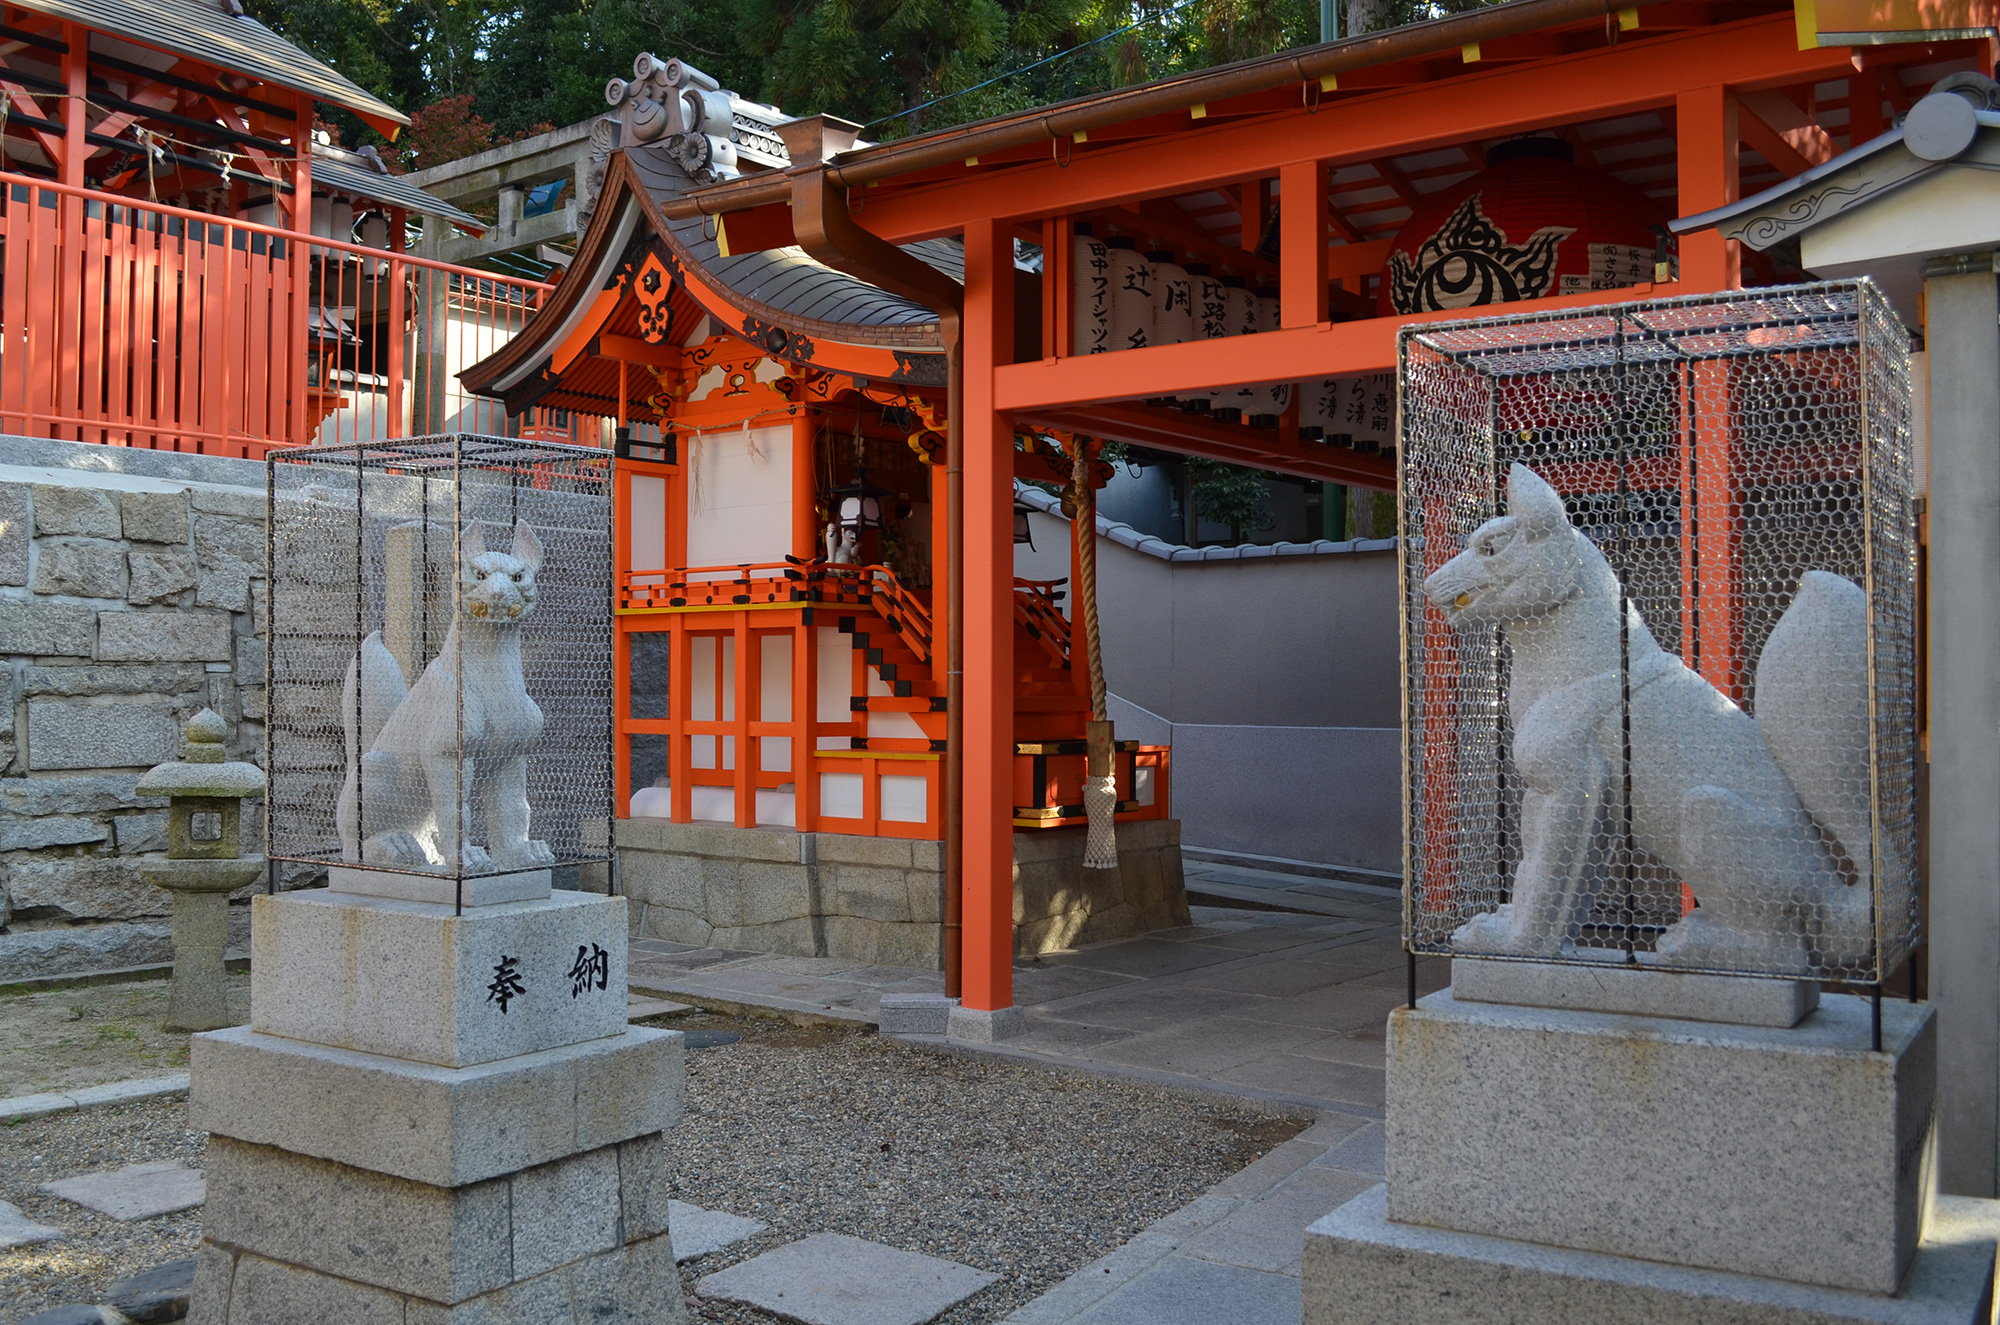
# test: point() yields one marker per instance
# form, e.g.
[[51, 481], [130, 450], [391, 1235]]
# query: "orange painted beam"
[[1630, 76], [1289, 355], [1272, 449], [987, 814], [1768, 143]]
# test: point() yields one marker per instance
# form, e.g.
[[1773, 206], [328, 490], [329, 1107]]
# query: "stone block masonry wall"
[[877, 899], [131, 595]]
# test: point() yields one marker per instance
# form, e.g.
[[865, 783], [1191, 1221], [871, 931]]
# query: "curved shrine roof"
[[790, 305]]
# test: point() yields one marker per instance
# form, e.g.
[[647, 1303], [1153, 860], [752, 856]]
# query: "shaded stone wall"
[[131, 595], [878, 899]]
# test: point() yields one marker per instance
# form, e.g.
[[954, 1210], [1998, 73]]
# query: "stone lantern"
[[204, 864]]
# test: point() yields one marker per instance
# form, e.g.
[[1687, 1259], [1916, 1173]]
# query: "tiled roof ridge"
[[1126, 536]]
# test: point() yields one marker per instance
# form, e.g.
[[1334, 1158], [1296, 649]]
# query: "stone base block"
[[915, 1014], [880, 900], [1362, 1269], [498, 981], [446, 1127], [1793, 1154], [1059, 904], [487, 890], [637, 1284], [1634, 990], [444, 1245], [982, 1027]]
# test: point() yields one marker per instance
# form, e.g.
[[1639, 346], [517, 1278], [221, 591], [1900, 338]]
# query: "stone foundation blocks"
[[1362, 1269], [881, 900], [1795, 1154]]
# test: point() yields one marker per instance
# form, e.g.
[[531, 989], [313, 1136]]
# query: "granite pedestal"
[[1558, 1165], [1695, 1143], [437, 1118]]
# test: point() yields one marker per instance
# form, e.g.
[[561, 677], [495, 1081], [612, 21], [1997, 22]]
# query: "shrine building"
[[806, 339]]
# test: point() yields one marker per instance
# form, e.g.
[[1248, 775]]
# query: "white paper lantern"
[[1133, 288], [1090, 294], [1173, 312]]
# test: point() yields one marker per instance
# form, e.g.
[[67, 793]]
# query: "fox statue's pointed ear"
[[471, 543], [1533, 502], [527, 548]]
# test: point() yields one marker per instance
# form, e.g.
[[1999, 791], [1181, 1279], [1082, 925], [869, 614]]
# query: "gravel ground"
[[97, 1249], [1023, 1171], [1019, 1170], [92, 1034]]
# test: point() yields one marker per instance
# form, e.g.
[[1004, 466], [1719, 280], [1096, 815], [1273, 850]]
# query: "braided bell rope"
[[1100, 795]]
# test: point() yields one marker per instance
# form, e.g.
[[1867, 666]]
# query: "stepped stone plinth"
[[1565, 1165], [437, 1116]]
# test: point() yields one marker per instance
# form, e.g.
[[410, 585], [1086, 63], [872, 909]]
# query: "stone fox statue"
[[1767, 821], [416, 787]]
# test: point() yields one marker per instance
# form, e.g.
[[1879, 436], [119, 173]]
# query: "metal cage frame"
[[329, 513], [1646, 418]]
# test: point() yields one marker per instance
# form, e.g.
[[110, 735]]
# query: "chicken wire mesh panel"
[[1659, 635], [440, 655]]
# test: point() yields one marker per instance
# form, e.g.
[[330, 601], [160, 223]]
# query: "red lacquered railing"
[[140, 324]]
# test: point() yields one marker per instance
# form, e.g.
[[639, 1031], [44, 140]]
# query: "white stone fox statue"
[[1767, 821], [412, 773]]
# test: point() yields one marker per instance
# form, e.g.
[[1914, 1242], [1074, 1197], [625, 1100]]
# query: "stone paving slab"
[[117, 1092], [137, 1191], [638, 1007], [697, 1232], [17, 1230], [1268, 1234], [834, 1279], [1181, 1290], [1363, 1151]]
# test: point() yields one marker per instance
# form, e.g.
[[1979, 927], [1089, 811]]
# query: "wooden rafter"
[[1397, 181]]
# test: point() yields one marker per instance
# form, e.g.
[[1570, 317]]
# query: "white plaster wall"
[[739, 496]]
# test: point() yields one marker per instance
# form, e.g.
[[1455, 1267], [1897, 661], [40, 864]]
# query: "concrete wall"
[[131, 596], [1274, 675]]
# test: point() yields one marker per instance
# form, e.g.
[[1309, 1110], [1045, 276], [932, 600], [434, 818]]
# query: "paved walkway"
[[1274, 1005]]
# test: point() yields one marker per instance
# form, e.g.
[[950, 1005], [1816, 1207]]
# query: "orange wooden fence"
[[139, 324]]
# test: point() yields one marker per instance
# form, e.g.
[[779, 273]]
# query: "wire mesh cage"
[[440, 657], [1658, 593]]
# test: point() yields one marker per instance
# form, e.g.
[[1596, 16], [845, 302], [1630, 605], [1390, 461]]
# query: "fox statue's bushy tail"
[[1812, 706]]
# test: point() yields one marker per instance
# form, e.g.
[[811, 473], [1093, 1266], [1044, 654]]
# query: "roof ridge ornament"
[[710, 130]]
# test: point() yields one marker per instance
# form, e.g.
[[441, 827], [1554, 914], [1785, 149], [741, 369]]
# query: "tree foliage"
[[1230, 495], [516, 65]]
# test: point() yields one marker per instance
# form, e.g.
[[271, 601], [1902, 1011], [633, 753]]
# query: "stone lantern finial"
[[204, 864], [205, 733]]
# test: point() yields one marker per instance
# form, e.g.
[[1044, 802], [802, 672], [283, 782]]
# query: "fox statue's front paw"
[[474, 860], [397, 847], [527, 855], [1498, 932]]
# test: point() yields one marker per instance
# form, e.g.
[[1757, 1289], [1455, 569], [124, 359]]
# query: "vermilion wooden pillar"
[[1705, 129], [805, 536], [1302, 220], [296, 427], [76, 75], [989, 622]]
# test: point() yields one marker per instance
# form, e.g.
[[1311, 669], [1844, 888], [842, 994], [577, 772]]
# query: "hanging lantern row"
[[1533, 223], [1126, 300]]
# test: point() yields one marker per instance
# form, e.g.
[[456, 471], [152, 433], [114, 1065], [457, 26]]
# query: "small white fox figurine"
[[1767, 820], [410, 789]]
